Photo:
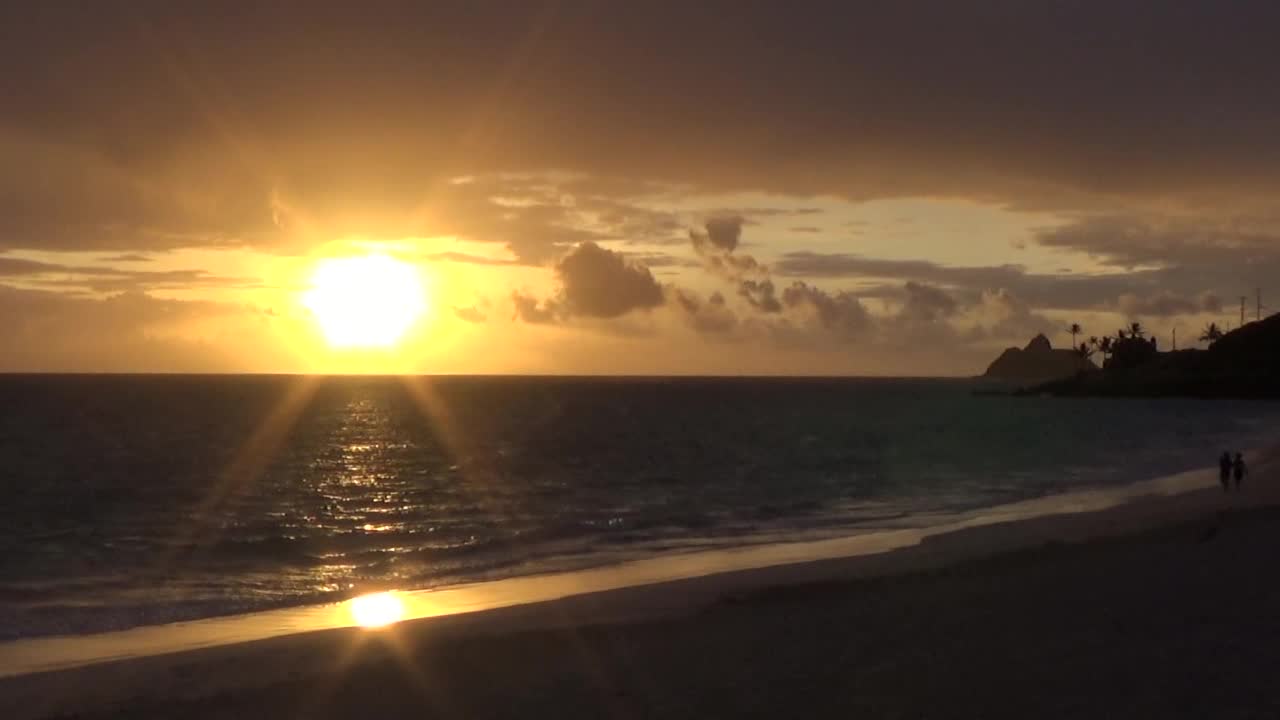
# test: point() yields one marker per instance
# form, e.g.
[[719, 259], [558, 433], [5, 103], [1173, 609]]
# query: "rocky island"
[[1039, 362]]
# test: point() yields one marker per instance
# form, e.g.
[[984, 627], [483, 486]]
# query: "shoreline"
[[61, 652], [205, 666]]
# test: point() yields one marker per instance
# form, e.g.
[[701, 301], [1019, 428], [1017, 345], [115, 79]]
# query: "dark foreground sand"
[[1178, 621]]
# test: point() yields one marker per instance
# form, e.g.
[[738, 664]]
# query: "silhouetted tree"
[[1130, 350], [1211, 334], [1136, 330], [1121, 334], [1104, 346], [1075, 330], [1085, 350]]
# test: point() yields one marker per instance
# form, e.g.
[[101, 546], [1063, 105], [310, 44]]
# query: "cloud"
[[660, 260], [467, 258], [1003, 317], [1144, 240], [620, 216], [889, 101], [1166, 304], [927, 304], [470, 314], [529, 309], [841, 313], [127, 257], [253, 127], [110, 279], [724, 232], [601, 283], [130, 332], [714, 245], [595, 282], [760, 295], [711, 316], [1107, 291]]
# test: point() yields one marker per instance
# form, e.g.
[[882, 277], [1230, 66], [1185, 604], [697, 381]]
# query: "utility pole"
[[1242, 299], [1259, 316], [1175, 338]]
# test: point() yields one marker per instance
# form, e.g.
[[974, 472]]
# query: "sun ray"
[[248, 464]]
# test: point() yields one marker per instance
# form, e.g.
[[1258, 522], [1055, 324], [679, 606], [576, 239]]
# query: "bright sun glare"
[[365, 302], [377, 610]]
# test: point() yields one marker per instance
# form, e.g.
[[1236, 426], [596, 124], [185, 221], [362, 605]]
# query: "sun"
[[365, 302]]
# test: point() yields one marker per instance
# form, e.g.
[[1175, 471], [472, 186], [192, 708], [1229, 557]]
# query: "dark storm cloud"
[[170, 124]]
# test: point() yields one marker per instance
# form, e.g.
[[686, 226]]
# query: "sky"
[[834, 188]]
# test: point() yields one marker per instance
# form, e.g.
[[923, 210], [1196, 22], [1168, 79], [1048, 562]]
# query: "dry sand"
[[1165, 607]]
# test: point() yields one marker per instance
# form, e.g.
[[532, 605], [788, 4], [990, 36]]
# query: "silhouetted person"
[[1224, 470], [1239, 469]]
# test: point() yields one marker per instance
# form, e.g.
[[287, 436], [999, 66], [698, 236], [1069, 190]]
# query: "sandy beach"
[[1161, 606]]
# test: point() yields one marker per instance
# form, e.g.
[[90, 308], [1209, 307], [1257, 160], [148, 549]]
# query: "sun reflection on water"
[[378, 610]]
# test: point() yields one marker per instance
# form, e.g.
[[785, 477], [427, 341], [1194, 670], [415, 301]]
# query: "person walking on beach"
[[1224, 471], [1240, 470]]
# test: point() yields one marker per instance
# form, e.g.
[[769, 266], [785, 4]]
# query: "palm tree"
[[1074, 330], [1135, 330], [1211, 333], [1085, 350], [1121, 334], [1104, 346]]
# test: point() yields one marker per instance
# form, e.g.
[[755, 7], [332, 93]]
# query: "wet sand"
[[1165, 607]]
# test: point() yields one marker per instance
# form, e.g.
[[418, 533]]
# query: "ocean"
[[140, 500]]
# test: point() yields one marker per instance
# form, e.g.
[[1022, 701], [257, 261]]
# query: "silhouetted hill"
[[1244, 363], [1251, 349], [1038, 362]]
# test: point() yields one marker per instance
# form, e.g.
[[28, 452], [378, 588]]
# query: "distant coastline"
[[1242, 364]]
